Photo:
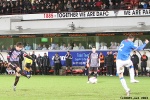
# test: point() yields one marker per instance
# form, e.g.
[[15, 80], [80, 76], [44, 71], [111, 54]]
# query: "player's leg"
[[71, 69], [120, 71], [70, 64], [145, 70], [101, 68], [136, 70], [131, 71], [142, 70], [17, 78], [89, 73], [95, 71], [66, 70]]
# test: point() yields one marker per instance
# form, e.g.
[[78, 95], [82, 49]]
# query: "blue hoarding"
[[79, 57]]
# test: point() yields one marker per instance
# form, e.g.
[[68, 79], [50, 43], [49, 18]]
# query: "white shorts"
[[120, 64]]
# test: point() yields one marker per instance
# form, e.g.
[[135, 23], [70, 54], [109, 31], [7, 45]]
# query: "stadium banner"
[[79, 57], [87, 14]]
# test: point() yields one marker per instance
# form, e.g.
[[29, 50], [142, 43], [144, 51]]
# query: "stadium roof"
[[78, 30]]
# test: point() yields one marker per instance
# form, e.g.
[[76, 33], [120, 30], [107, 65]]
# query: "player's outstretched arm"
[[142, 46]]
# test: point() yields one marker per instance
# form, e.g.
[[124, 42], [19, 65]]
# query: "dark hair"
[[93, 47], [19, 44], [130, 36]]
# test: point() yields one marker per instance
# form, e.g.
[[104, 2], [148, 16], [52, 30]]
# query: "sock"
[[71, 71], [89, 76], [124, 84], [66, 71], [16, 80], [131, 71], [95, 75]]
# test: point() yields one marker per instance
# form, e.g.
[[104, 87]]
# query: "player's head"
[[56, 54], [19, 46], [93, 49], [68, 52], [134, 52], [130, 37], [101, 53]]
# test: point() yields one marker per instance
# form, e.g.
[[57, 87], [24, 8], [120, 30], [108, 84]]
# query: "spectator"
[[104, 6], [52, 46], [113, 45], [65, 8], [148, 5], [138, 42], [75, 8], [118, 44], [39, 63], [68, 58], [103, 47], [37, 9], [57, 47], [144, 59], [39, 47], [140, 6], [111, 6], [69, 47], [102, 68], [61, 46], [10, 47], [45, 64], [109, 63], [57, 63], [25, 10], [114, 64], [135, 61], [47, 10], [33, 63], [49, 47], [122, 5], [44, 47], [145, 5], [69, 6], [75, 47], [60, 5], [81, 47], [117, 6], [3, 49], [99, 4], [53, 8], [27, 47], [65, 2], [64, 47], [42, 9]]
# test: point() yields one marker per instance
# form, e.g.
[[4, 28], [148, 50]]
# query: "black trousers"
[[109, 70], [34, 68], [143, 70], [45, 70], [57, 67]]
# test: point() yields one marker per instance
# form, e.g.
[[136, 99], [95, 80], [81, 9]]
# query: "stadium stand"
[[45, 6]]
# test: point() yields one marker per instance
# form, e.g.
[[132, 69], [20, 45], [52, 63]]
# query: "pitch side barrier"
[[79, 56]]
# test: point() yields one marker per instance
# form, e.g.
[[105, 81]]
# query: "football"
[[148, 69], [93, 80]]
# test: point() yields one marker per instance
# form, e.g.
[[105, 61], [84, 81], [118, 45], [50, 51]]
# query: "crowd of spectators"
[[50, 6], [71, 46]]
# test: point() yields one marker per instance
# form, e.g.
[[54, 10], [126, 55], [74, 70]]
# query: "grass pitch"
[[71, 88]]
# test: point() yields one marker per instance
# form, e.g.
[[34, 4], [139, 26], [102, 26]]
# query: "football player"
[[123, 60], [13, 61]]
